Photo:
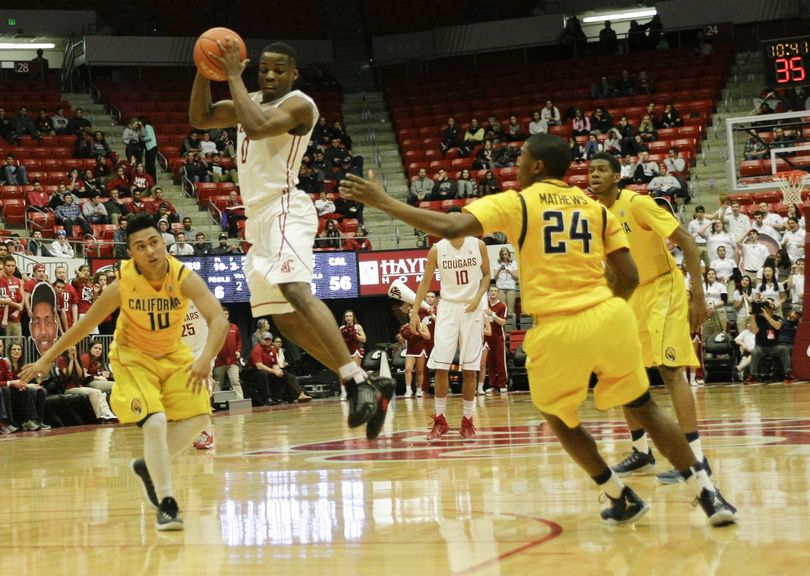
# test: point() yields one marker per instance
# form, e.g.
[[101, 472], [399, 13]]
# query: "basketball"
[[207, 42]]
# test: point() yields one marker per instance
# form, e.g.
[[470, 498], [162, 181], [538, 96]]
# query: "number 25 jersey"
[[151, 320], [561, 237]]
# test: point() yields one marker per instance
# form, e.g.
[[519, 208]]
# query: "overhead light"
[[629, 15], [26, 45]]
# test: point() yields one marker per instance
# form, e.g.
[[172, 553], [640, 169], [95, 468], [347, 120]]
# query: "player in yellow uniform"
[[563, 239], [157, 379], [660, 304]]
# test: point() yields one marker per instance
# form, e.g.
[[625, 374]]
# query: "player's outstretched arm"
[[194, 288], [624, 274], [424, 286], [106, 304], [371, 193], [202, 113]]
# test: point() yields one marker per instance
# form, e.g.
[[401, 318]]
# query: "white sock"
[[700, 480], [351, 371], [441, 404], [156, 454], [697, 449], [182, 433], [469, 408], [614, 486], [641, 444]]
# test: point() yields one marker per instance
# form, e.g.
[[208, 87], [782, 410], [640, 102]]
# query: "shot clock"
[[787, 62]]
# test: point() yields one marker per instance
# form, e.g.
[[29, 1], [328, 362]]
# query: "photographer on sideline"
[[766, 328]]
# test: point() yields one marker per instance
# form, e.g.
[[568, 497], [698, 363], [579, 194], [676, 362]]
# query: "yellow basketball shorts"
[[563, 351], [662, 310], [146, 385]]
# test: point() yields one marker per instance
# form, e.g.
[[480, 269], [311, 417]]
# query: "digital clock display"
[[787, 62]]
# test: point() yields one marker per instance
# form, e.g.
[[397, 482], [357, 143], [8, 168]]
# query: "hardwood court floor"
[[293, 491]]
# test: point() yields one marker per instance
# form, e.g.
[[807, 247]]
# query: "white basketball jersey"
[[269, 167], [195, 330], [460, 269]]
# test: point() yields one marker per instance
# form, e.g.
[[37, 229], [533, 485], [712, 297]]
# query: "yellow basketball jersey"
[[647, 226], [151, 320], [561, 237]]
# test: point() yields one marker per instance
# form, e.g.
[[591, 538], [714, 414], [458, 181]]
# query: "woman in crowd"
[[93, 366], [467, 188], [28, 399], [506, 277], [716, 297], [489, 184], [330, 237], [743, 296], [262, 326], [73, 377], [769, 287]]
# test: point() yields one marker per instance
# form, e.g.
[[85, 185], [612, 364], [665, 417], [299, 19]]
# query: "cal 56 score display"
[[334, 275]]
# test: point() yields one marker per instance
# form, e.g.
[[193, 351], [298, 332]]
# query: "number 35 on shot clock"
[[787, 62]]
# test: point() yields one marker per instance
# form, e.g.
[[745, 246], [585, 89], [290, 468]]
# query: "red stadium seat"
[[14, 212]]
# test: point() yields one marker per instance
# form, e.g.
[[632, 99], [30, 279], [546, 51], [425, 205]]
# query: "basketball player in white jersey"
[[274, 127], [463, 265], [195, 334]]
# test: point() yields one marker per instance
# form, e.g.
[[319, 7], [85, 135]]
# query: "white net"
[[792, 185]]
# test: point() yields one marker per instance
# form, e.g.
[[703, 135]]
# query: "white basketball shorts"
[[457, 330]]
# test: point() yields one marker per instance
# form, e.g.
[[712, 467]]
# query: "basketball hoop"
[[791, 184]]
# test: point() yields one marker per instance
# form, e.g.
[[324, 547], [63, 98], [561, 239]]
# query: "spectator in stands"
[[7, 129], [188, 228], [36, 245], [78, 122], [766, 327], [93, 364], [467, 187], [165, 230], [191, 145], [506, 277], [69, 214], [233, 213], [346, 167], [592, 146], [262, 326], [580, 124], [322, 133], [753, 254], [72, 377], [172, 215], [349, 208], [132, 138], [263, 371], [626, 85], [94, 211], [228, 359], [150, 147], [444, 188], [221, 173], [119, 182], [322, 167], [14, 172], [665, 185], [655, 29], [721, 247], [577, 150], [493, 131], [57, 198], [116, 210], [613, 142], [514, 131], [330, 237], [225, 145], [93, 183], [337, 132], [359, 242], [101, 149], [83, 147], [141, 181], [768, 286], [675, 164], [201, 245], [485, 160], [12, 298], [755, 147], [43, 123], [120, 238], [291, 389], [473, 137], [699, 227], [601, 122], [793, 239], [181, 248], [31, 397], [207, 146], [646, 129], [737, 223], [66, 297], [628, 135], [224, 247], [324, 206], [608, 44], [636, 39], [716, 295], [794, 286], [60, 121], [308, 180], [670, 117], [550, 115], [628, 168], [196, 169], [421, 188], [489, 184], [645, 85], [536, 126], [645, 169], [335, 153], [24, 125], [762, 227]]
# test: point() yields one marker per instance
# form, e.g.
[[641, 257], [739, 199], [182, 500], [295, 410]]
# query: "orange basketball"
[[206, 43]]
